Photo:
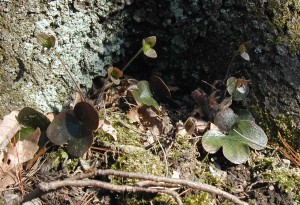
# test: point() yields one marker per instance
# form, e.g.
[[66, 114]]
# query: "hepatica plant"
[[236, 133], [148, 43], [143, 95], [74, 127]]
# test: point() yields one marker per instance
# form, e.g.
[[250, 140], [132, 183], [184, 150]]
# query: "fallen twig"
[[44, 188], [80, 180]]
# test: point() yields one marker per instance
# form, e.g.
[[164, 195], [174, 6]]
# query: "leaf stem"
[[67, 70], [132, 59], [230, 64]]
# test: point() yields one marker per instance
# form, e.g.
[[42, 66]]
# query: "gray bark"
[[89, 39]]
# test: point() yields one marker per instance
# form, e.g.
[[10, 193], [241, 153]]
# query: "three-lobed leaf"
[[245, 134], [74, 127]]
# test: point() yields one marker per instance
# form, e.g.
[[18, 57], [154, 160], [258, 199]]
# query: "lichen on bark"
[[89, 39]]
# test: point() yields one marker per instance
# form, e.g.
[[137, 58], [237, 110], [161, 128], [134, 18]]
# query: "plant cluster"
[[219, 125], [75, 127], [235, 132]]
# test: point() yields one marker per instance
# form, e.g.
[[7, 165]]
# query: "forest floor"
[[138, 139]]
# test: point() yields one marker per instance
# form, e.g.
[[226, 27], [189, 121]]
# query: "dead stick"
[[44, 188], [182, 182]]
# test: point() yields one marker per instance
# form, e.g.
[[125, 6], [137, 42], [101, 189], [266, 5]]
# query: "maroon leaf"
[[57, 131], [87, 115]]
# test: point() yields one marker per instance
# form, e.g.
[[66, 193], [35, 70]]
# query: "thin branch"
[[155, 184], [182, 182], [44, 188]]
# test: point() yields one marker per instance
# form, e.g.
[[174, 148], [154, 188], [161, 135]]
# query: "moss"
[[288, 179], [273, 171], [145, 199], [202, 198], [60, 160], [164, 199], [139, 161], [181, 149], [289, 130], [127, 133], [286, 20]]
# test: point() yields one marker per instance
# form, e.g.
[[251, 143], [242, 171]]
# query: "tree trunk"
[[197, 39]]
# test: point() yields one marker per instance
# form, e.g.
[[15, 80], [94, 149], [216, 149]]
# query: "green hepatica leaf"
[[47, 41], [236, 144], [250, 133], [74, 127], [237, 88], [212, 140], [148, 44], [30, 117], [236, 152], [143, 94]]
